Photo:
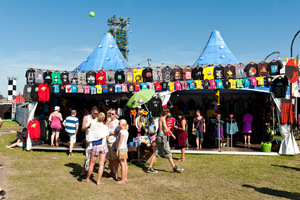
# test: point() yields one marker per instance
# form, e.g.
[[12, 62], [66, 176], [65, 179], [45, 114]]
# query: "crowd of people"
[[106, 138]]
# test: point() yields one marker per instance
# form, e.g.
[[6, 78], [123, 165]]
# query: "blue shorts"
[[56, 130], [199, 134]]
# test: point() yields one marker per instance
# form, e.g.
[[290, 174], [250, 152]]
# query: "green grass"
[[53, 175], [10, 125]]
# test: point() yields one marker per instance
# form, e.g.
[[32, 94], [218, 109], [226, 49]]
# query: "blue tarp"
[[216, 51], [106, 56]]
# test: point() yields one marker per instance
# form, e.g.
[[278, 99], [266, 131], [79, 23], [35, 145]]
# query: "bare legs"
[[56, 136], [124, 170], [91, 168], [247, 137], [16, 144], [101, 168], [153, 159], [201, 141], [182, 154], [71, 147]]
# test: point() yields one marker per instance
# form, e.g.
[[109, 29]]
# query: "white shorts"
[[72, 139]]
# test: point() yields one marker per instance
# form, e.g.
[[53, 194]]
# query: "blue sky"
[[59, 34]]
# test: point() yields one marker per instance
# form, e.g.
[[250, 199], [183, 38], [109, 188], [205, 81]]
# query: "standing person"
[[86, 124], [55, 119], [182, 135], [113, 127], [71, 124], [162, 144], [247, 126], [122, 151], [200, 127], [98, 134]]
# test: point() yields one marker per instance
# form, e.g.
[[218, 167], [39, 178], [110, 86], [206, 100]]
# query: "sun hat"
[[56, 108]]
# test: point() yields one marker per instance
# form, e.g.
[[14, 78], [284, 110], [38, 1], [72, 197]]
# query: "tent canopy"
[[18, 99], [106, 56], [216, 51]]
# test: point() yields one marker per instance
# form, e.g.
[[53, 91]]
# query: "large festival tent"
[[106, 56], [216, 52]]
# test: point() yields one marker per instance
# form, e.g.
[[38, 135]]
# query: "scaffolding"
[[118, 27]]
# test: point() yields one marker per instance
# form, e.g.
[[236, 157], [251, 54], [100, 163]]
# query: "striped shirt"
[[70, 123]]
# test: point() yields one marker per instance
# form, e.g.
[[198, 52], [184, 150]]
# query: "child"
[[71, 124], [122, 149]]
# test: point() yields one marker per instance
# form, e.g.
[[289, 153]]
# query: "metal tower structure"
[[118, 27]]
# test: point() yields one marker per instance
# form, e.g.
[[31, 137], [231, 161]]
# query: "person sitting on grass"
[[122, 151], [21, 140], [98, 134], [71, 124]]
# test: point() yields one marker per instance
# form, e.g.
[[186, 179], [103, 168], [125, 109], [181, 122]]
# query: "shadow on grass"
[[76, 171], [144, 167], [276, 193], [286, 167]]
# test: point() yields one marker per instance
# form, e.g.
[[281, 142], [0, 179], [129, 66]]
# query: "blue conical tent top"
[[106, 56], [216, 51]]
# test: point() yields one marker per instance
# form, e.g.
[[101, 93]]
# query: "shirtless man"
[[86, 124], [162, 145]]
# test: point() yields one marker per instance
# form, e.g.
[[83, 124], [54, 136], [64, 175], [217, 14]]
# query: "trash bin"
[[266, 146]]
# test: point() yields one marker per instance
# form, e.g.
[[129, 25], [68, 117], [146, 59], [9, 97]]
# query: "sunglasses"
[[112, 113]]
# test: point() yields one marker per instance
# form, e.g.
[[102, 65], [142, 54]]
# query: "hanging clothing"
[[274, 67], [280, 86], [119, 77], [34, 130], [101, 78], [91, 78], [197, 73], [286, 112], [155, 106], [219, 72], [64, 76], [56, 78], [231, 128], [262, 69], [81, 78], [177, 73], [229, 72], [47, 77], [43, 92], [39, 76], [187, 73], [217, 133], [30, 76], [147, 75], [27, 92], [167, 74], [251, 69]]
